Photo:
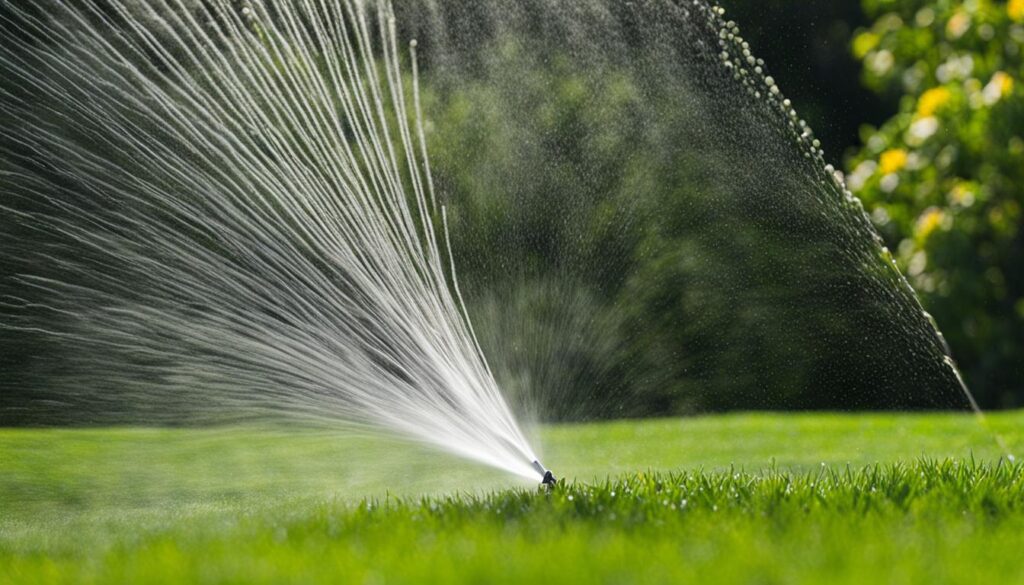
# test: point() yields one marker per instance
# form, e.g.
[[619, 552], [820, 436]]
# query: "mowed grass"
[[810, 498]]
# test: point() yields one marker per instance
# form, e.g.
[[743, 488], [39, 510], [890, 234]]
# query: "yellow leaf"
[[929, 221], [997, 88], [865, 42], [892, 160], [1015, 8], [1003, 81], [931, 100]]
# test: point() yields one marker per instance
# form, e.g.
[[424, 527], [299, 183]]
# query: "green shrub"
[[944, 177]]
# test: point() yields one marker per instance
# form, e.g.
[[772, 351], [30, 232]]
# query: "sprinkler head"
[[548, 477]]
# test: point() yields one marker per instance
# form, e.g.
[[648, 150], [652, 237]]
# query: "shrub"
[[944, 177]]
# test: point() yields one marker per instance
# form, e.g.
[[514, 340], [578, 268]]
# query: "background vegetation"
[[693, 309], [935, 150], [944, 177]]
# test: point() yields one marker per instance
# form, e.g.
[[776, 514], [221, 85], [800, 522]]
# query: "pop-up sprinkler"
[[548, 477]]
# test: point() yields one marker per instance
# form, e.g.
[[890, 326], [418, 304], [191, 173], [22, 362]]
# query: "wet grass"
[[848, 499]]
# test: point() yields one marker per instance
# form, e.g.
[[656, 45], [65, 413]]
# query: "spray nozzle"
[[548, 477]]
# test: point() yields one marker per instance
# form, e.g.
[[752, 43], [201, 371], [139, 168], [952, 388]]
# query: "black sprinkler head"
[[549, 479]]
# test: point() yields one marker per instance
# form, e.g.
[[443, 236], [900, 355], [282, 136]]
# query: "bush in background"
[[944, 177]]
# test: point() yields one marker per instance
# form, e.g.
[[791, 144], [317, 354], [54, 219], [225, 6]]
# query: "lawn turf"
[[753, 498]]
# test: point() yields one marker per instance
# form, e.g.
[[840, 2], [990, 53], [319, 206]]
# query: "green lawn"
[[742, 498]]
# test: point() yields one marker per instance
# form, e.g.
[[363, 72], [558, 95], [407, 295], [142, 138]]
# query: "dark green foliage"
[[683, 236]]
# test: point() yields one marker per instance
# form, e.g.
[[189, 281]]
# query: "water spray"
[[229, 213], [228, 201]]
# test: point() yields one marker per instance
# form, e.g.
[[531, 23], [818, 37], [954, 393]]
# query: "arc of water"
[[254, 217]]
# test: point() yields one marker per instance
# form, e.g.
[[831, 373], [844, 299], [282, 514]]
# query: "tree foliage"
[[944, 177], [610, 225]]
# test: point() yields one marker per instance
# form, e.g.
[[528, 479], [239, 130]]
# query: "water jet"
[[226, 212]]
